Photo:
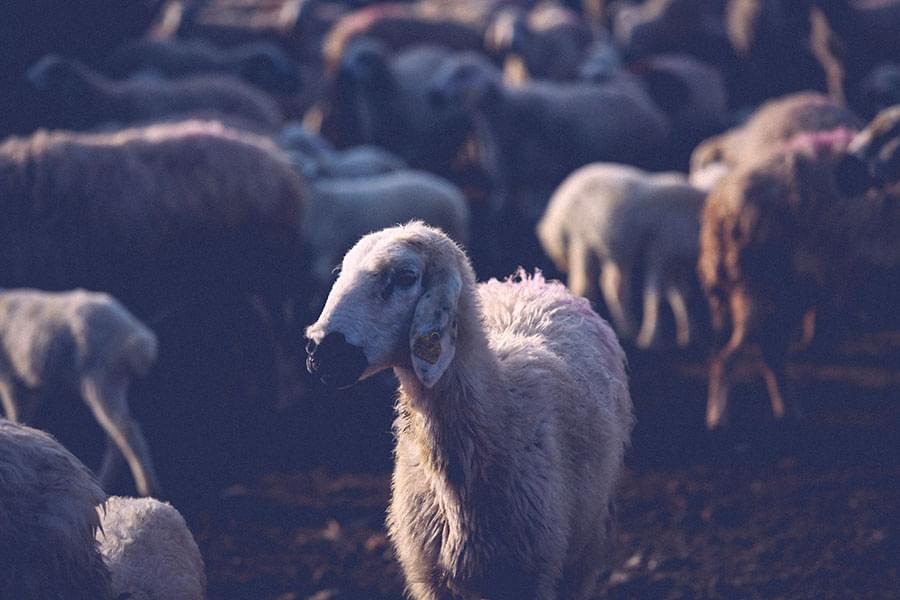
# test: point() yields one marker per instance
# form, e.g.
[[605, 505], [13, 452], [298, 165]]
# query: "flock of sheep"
[[683, 165]]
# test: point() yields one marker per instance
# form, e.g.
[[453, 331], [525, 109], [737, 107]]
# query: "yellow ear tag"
[[428, 347]]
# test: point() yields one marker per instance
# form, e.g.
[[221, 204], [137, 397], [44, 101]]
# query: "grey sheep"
[[608, 221], [513, 416], [73, 96], [48, 518], [531, 137], [343, 209], [263, 64], [81, 342], [316, 157], [62, 538]]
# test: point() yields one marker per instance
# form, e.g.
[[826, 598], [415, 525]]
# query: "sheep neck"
[[455, 424]]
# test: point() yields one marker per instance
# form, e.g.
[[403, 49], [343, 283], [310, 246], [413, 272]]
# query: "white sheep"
[[150, 551], [89, 343], [341, 210], [513, 416], [61, 538], [608, 221]]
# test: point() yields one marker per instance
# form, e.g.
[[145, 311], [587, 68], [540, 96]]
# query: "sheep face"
[[393, 305], [877, 149]]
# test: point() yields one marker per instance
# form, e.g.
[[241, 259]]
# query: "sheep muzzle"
[[335, 361]]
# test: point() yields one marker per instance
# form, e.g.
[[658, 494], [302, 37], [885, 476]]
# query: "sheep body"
[[76, 97], [149, 550], [47, 520], [778, 238], [343, 209], [83, 342], [261, 63], [766, 131], [181, 204], [513, 416], [607, 220]]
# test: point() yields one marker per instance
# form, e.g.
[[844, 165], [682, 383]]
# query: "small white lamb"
[[513, 416]]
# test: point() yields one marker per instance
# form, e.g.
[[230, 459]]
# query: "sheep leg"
[[778, 383], [615, 282], [112, 462], [677, 302], [19, 402], [10, 406], [108, 402], [649, 333], [584, 271], [720, 380]]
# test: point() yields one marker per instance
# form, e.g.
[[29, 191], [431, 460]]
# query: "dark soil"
[[762, 510]]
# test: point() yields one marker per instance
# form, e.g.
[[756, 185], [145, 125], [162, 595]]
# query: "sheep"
[[779, 238], [880, 89], [318, 158], [149, 551], [263, 64], [606, 222], [551, 40], [198, 210], [47, 520], [375, 98], [766, 131], [853, 39], [73, 96], [533, 136], [342, 209], [512, 418], [61, 537], [84, 342], [397, 26]]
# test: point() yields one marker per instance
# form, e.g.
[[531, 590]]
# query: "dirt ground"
[[760, 511]]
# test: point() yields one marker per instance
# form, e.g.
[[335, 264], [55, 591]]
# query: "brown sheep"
[[767, 129], [73, 96], [397, 26], [778, 238], [170, 212]]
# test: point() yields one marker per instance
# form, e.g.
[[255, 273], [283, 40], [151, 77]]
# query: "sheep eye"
[[405, 278]]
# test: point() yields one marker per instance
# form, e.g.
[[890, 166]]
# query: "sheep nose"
[[335, 361]]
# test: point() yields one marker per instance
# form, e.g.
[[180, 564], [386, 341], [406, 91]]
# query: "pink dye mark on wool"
[[831, 141]]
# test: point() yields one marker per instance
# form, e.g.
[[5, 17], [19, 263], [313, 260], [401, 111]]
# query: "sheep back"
[[178, 203], [55, 338]]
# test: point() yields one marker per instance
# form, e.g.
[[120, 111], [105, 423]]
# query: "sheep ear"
[[432, 336]]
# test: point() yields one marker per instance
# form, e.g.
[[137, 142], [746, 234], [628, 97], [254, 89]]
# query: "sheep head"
[[394, 304], [873, 157], [470, 81]]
